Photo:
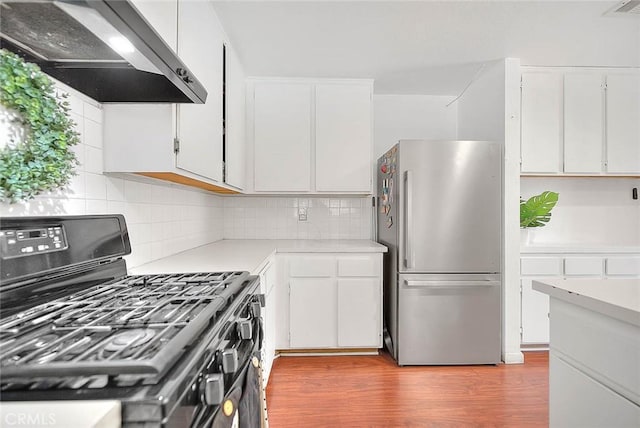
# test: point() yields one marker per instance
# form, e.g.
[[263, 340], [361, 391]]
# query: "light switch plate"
[[302, 214]]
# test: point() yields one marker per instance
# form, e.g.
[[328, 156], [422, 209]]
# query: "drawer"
[[608, 349], [581, 401], [368, 265], [623, 266], [308, 267], [540, 266], [583, 266]]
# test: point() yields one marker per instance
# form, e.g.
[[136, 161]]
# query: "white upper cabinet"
[[282, 137], [235, 123], [580, 121], [311, 136], [343, 138], [183, 143], [541, 122], [583, 123], [623, 123], [200, 125]]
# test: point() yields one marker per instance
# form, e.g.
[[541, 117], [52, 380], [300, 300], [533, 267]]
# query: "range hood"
[[102, 48]]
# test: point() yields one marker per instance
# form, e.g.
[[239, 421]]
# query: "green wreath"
[[42, 160]]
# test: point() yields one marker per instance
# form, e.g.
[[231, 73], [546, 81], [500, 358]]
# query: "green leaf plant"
[[39, 159], [536, 211]]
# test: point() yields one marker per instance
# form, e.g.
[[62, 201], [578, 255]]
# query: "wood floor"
[[372, 391]]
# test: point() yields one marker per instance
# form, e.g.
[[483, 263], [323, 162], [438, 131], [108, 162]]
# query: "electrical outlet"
[[302, 214]]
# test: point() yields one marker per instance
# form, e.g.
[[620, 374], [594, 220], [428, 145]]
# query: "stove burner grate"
[[134, 325]]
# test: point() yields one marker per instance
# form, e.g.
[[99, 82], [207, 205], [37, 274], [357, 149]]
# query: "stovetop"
[[134, 326]]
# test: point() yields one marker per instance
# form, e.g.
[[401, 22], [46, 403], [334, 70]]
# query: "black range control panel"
[[24, 242]]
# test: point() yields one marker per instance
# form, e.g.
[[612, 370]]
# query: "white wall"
[[490, 110], [481, 108], [397, 117], [249, 217], [591, 211], [163, 219]]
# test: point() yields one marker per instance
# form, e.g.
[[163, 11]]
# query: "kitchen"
[[427, 78]]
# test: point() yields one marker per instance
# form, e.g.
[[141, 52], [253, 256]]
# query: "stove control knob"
[[255, 309], [230, 361], [245, 330], [213, 389]]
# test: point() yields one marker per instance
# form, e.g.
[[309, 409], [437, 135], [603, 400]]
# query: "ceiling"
[[423, 47]]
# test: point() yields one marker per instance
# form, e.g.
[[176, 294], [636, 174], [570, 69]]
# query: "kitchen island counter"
[[594, 375], [616, 298]]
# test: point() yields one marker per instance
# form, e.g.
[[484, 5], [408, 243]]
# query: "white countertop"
[[617, 298], [61, 414], [578, 249], [250, 254]]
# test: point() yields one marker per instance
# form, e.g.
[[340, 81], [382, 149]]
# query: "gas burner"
[[196, 290], [45, 340], [129, 339]]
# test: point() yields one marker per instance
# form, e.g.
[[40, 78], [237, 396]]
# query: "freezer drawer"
[[448, 319]]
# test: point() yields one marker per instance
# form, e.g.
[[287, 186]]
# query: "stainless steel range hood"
[[102, 48]]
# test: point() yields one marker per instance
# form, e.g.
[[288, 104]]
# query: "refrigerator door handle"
[[451, 284], [408, 209]]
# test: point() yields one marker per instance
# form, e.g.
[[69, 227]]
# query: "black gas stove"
[[178, 350]]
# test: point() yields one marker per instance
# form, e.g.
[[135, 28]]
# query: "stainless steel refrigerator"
[[440, 214]]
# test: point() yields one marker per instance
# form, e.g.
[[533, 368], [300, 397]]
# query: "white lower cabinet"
[[534, 314], [534, 327], [333, 300], [312, 307], [267, 286], [358, 312], [594, 376]]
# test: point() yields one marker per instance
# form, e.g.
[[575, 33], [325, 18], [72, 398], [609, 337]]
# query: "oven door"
[[230, 390], [241, 407]]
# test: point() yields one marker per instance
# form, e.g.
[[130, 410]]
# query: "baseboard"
[[326, 352], [513, 357], [534, 347]]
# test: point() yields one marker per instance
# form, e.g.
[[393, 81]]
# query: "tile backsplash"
[[252, 217], [591, 211], [162, 218]]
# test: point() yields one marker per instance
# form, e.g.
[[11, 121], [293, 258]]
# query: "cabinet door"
[[235, 121], [623, 123], [282, 137], [269, 350], [312, 313], [583, 123], [163, 17], [359, 312], [343, 138], [541, 122], [535, 315], [200, 46]]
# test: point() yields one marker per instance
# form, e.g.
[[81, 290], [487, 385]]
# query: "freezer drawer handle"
[[408, 250], [451, 284]]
